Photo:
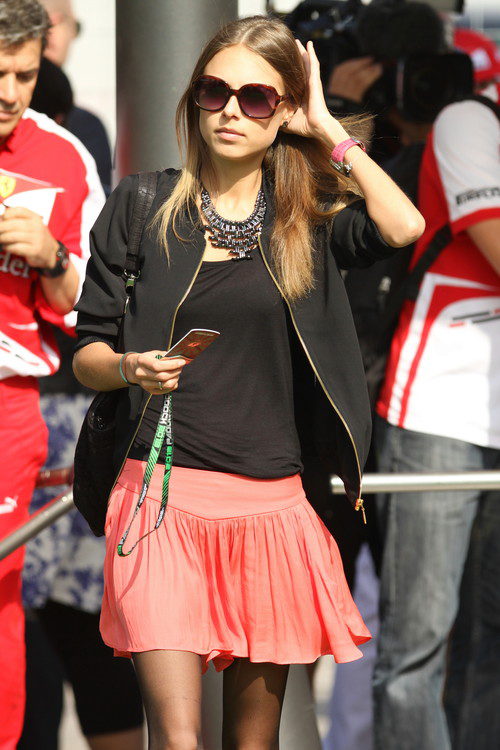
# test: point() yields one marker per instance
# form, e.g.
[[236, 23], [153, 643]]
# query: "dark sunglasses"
[[255, 99]]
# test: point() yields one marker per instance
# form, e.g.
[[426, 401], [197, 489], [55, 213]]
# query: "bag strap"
[[495, 108], [441, 239], [144, 198], [409, 287], [146, 192]]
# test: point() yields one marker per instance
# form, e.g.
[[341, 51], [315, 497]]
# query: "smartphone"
[[193, 343]]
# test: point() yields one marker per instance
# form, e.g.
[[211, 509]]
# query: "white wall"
[[91, 63], [249, 7]]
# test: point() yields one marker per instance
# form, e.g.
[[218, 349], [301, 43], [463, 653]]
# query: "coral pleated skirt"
[[240, 567]]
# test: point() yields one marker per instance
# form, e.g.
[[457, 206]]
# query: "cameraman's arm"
[[348, 83], [486, 235]]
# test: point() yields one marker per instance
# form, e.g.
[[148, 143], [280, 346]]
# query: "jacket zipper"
[[149, 397], [359, 502]]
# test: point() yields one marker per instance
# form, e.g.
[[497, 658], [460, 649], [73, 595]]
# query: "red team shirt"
[[47, 170], [443, 374]]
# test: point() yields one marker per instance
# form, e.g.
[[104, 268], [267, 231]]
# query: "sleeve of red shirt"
[[466, 142], [74, 213]]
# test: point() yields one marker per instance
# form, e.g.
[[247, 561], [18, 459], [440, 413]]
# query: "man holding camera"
[[51, 195], [439, 411]]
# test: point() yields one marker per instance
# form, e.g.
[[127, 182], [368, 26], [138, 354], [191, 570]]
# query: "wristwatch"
[[62, 263], [337, 156]]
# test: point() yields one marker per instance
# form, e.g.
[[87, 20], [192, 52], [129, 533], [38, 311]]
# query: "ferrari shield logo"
[[7, 186]]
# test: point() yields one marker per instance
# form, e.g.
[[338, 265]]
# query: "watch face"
[[62, 263], [62, 257]]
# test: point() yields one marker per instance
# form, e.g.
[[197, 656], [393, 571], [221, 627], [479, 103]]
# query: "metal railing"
[[55, 477], [44, 517], [438, 482], [39, 521], [441, 482]]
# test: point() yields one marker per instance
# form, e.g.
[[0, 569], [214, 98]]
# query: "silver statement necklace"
[[239, 238]]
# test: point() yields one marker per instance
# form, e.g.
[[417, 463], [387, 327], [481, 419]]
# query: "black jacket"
[[332, 408]]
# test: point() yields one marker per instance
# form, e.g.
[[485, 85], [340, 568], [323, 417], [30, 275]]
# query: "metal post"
[[157, 44]]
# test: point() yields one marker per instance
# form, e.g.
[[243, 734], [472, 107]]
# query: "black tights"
[[253, 695]]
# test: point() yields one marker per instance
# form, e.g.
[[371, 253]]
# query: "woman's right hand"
[[146, 370]]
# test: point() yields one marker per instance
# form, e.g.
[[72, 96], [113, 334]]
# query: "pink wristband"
[[338, 152]]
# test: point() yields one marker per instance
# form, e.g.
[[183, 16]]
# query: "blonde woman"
[[246, 239]]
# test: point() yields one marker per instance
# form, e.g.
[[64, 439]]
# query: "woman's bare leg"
[[253, 699], [170, 683]]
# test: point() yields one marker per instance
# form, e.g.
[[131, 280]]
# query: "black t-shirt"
[[233, 410]]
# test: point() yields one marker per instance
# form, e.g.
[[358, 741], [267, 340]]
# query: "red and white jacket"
[[443, 374], [46, 169]]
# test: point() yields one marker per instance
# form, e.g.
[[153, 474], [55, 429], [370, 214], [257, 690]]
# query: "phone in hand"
[[193, 343]]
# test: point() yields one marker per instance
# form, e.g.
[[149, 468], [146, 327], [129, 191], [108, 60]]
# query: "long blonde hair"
[[307, 190]]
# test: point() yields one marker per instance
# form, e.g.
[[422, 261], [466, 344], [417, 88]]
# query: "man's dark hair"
[[21, 21], [390, 29]]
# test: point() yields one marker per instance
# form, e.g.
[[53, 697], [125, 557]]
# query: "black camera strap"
[[410, 285], [494, 106]]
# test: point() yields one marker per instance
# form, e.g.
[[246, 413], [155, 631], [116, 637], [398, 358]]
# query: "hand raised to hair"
[[312, 117]]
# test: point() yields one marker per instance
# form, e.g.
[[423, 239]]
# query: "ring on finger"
[[160, 385]]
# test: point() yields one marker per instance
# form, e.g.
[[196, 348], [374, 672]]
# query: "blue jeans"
[[472, 696], [426, 541]]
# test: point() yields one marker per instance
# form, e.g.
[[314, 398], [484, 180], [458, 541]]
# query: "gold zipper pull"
[[360, 506]]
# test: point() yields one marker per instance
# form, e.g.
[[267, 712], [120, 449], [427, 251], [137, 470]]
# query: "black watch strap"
[[62, 263]]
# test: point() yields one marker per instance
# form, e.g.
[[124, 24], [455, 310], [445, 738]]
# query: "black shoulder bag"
[[94, 468]]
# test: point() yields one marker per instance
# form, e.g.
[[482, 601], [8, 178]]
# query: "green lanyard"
[[163, 434]]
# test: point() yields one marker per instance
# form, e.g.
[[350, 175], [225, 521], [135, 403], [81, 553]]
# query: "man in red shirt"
[[50, 195]]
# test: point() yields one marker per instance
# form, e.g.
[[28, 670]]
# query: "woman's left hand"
[[312, 118]]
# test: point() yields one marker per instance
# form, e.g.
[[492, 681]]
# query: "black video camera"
[[420, 75]]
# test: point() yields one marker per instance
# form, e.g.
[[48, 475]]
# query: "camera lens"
[[427, 88]]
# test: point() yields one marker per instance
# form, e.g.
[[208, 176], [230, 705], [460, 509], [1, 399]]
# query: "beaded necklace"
[[239, 238]]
